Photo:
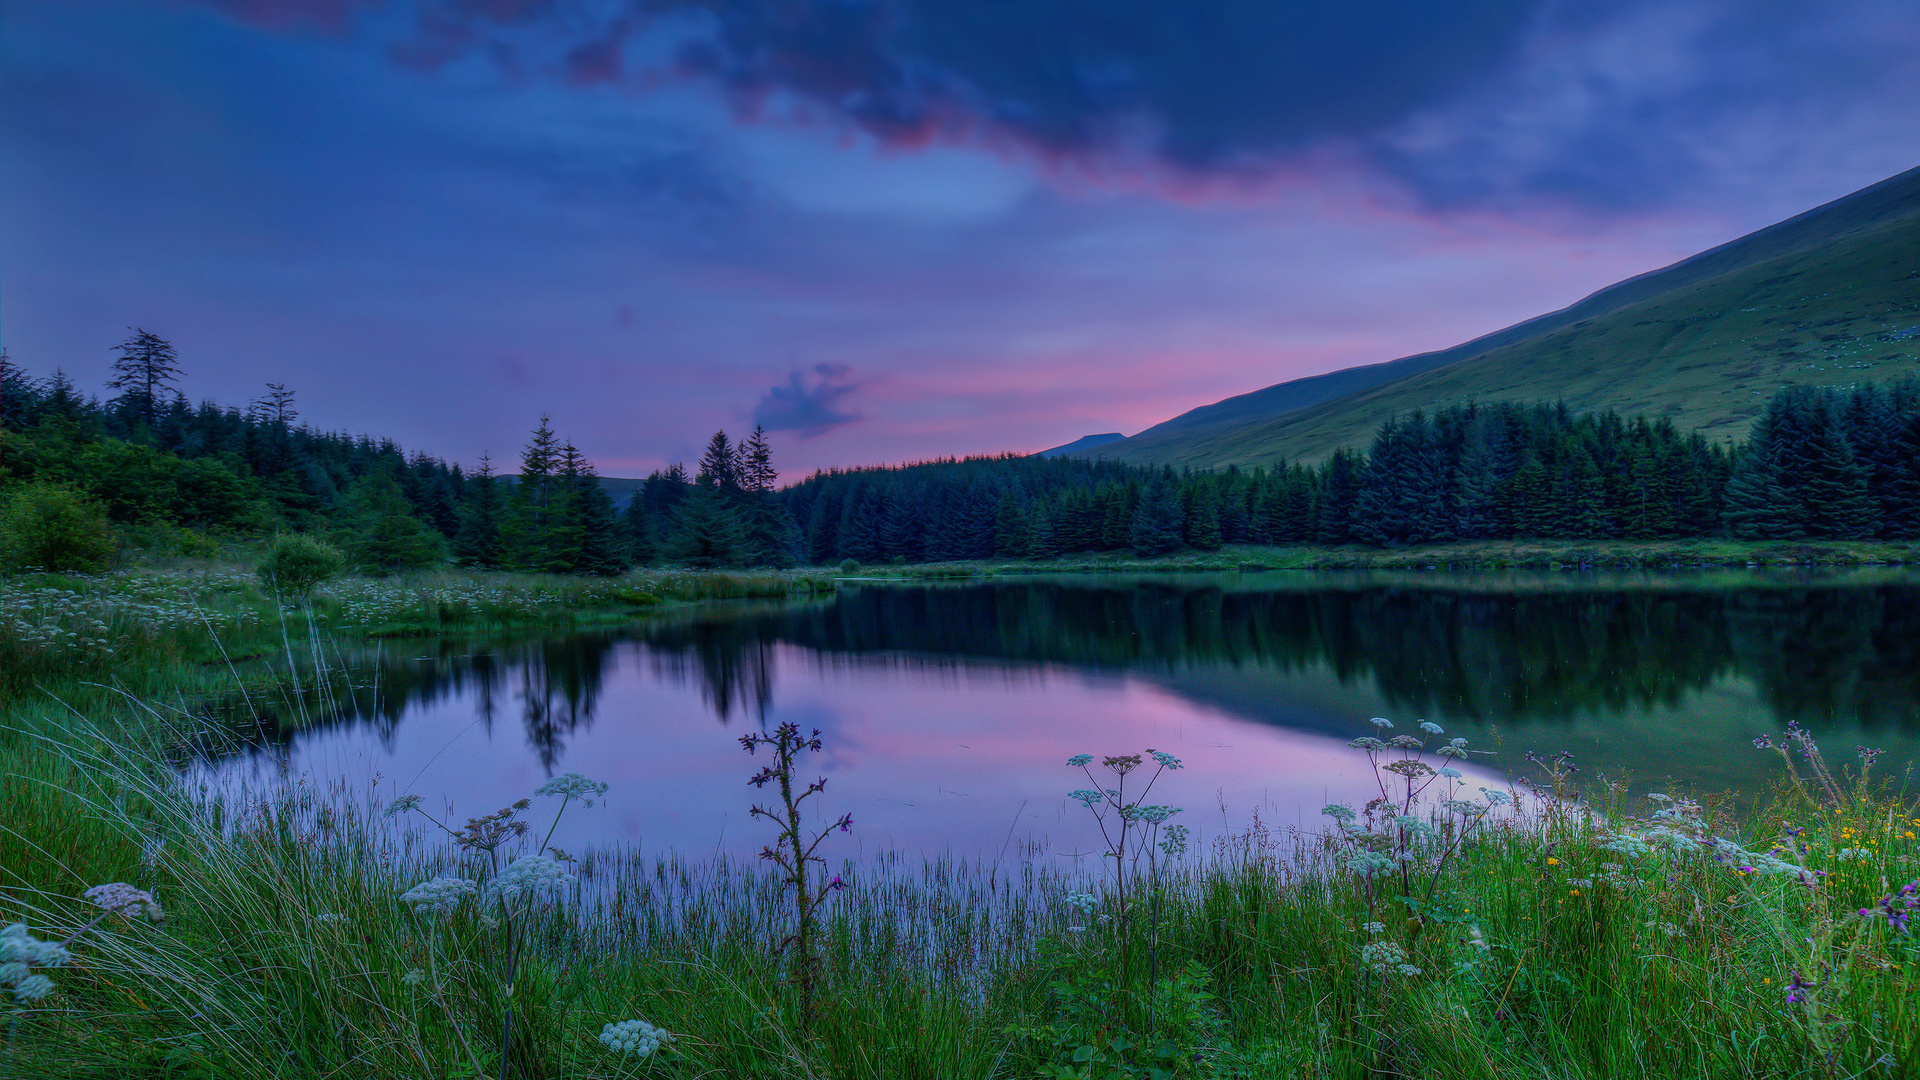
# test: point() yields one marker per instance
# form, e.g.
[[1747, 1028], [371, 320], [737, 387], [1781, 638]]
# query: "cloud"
[[810, 410]]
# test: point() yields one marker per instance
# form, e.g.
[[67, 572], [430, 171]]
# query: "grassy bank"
[[1465, 555], [1435, 934]]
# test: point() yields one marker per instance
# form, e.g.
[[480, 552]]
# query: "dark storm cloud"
[[1199, 85], [809, 409]]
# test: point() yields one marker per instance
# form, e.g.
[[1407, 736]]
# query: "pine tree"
[[146, 369], [602, 548], [533, 494], [274, 407], [1158, 522], [642, 545], [757, 474], [707, 533], [719, 465], [480, 542], [379, 531], [19, 394]]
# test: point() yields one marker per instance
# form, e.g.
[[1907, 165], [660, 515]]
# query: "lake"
[[948, 710]]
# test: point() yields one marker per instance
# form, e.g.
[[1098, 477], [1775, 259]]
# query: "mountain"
[[1829, 297], [1084, 442]]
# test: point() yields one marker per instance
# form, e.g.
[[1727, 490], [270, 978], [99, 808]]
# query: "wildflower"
[[1450, 772], [1338, 812], [1152, 815], [1551, 861], [1086, 796], [1431, 728], [329, 918], [1166, 760], [414, 977], [526, 877], [438, 896], [1404, 742], [402, 804], [1368, 743], [636, 1037], [573, 786], [1080, 761], [1082, 901], [1406, 969], [1413, 825], [1496, 798], [20, 953], [1174, 844], [1382, 955], [1374, 927], [1369, 863], [122, 898], [1659, 798], [1457, 744], [1381, 722]]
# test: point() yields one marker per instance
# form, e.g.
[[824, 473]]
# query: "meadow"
[[1558, 926]]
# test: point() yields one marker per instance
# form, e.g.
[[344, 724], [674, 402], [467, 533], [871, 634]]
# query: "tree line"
[[1818, 464]]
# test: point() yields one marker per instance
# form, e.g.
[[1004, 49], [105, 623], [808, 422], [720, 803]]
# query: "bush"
[[52, 527], [295, 564], [851, 566]]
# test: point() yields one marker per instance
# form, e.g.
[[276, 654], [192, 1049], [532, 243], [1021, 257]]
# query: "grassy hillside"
[[1830, 297]]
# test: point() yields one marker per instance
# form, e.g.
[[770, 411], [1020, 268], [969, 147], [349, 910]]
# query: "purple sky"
[[890, 229]]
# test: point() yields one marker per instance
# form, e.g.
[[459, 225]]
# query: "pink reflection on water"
[[960, 758]]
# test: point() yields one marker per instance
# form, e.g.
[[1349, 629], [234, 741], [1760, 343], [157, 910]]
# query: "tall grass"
[[1548, 946]]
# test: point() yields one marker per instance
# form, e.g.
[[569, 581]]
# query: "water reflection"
[[1664, 676]]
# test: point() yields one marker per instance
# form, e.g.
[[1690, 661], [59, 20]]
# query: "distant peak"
[[1084, 442]]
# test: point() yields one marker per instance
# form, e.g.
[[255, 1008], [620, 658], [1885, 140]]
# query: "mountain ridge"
[[1277, 421]]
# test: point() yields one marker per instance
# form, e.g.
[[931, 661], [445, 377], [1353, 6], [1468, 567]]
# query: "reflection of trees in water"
[[1817, 654], [555, 682]]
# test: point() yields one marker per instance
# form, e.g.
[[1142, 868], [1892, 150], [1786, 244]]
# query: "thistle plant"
[[793, 850]]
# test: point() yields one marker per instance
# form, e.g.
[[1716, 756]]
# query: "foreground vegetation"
[[1529, 929]]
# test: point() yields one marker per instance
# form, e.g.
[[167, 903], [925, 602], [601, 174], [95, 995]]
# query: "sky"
[[887, 230]]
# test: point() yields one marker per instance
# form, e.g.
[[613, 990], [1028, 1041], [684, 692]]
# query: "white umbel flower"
[[635, 1037], [124, 899], [526, 877], [439, 896], [575, 786]]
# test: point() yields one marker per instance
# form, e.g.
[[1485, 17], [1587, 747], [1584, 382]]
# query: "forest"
[[83, 474]]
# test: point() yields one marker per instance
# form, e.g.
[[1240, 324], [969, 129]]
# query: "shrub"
[[295, 564], [850, 566], [53, 528]]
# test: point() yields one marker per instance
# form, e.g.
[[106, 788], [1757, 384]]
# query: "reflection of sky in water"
[[966, 758]]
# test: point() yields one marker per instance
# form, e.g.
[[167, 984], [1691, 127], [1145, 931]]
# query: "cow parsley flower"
[[1496, 797], [1087, 796], [1367, 742], [1338, 812], [1382, 955], [1152, 815], [439, 896], [123, 899], [635, 1037], [402, 804], [1369, 863], [414, 977], [1082, 902], [526, 877], [1374, 927], [1381, 722], [1080, 761], [1431, 728], [1174, 843], [1166, 760], [20, 953], [1413, 825], [573, 786], [1450, 772]]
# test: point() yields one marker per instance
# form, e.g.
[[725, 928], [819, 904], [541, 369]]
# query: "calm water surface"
[[948, 710]]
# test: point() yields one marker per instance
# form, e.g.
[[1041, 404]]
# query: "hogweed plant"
[[793, 850], [501, 897], [1419, 822]]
